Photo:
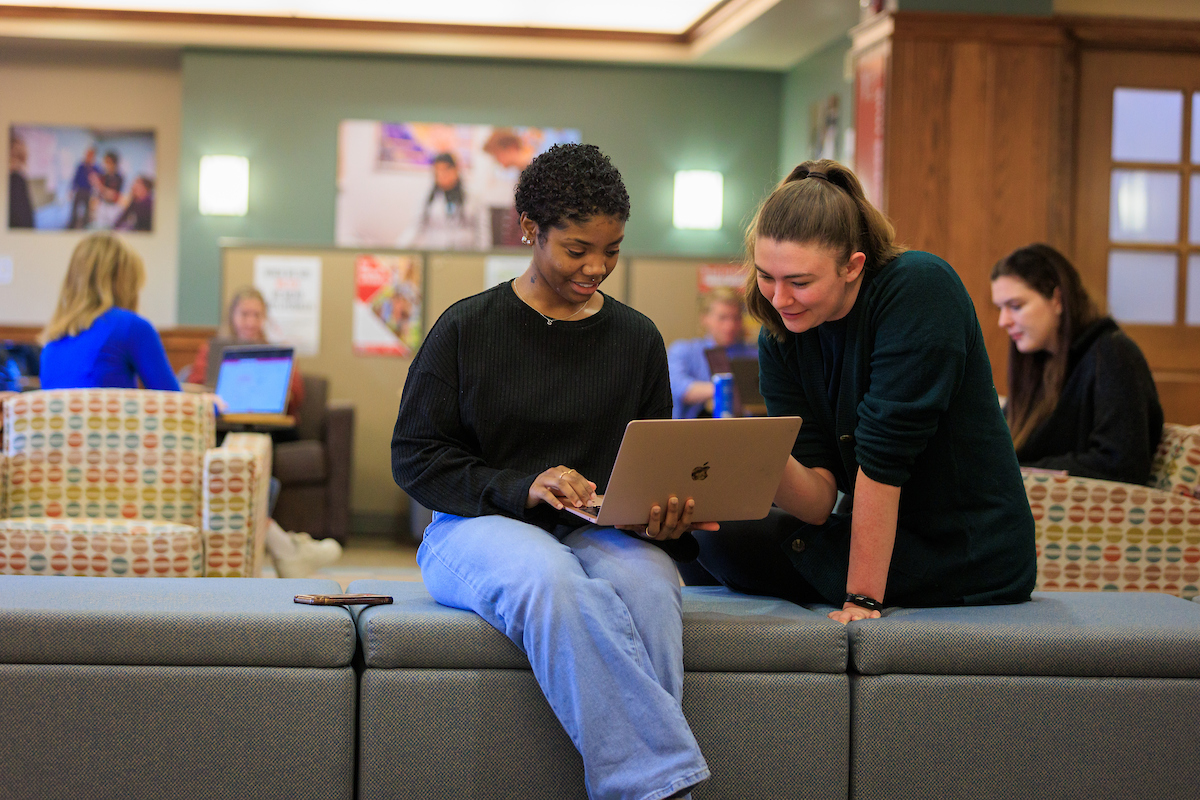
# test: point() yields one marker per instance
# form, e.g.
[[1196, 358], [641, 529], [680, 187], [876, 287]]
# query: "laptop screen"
[[254, 379]]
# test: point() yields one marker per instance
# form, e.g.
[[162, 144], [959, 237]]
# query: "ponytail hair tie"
[[821, 175]]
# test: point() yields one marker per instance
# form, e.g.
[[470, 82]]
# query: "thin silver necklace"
[[552, 320]]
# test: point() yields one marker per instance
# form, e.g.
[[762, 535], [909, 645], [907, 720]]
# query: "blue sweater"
[[114, 352]]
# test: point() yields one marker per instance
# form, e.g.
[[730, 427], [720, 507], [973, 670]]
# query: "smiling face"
[[247, 320], [570, 263], [1029, 317], [805, 283]]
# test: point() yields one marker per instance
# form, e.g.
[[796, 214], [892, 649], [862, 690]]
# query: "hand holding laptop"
[[564, 489], [677, 521]]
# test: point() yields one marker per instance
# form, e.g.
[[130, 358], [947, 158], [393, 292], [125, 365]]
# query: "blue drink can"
[[723, 394]]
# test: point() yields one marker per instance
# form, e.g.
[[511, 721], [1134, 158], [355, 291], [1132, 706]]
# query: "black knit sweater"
[[1108, 419], [496, 396]]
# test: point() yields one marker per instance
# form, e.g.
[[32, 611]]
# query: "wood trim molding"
[[63, 14], [1133, 34], [979, 27], [1087, 31]]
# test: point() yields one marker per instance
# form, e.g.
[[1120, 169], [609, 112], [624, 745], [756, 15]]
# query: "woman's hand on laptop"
[[559, 485], [674, 523]]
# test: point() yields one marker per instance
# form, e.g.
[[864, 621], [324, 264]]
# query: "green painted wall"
[[282, 112], [814, 80]]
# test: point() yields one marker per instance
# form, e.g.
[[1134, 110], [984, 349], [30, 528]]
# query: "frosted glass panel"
[[1195, 129], [1193, 291], [1147, 125], [1194, 212], [1144, 207], [1141, 287]]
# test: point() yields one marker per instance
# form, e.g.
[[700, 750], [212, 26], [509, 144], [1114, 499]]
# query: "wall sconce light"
[[224, 185], [698, 199]]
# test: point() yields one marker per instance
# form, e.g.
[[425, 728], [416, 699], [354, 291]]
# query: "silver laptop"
[[730, 467]]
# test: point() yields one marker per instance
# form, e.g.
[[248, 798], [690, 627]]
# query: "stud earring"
[[525, 239]]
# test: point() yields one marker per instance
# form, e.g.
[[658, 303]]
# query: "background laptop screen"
[[255, 379]]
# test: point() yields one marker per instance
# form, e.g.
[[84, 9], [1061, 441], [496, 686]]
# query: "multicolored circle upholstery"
[[107, 453], [100, 548], [133, 460], [1176, 466], [236, 491], [1095, 535]]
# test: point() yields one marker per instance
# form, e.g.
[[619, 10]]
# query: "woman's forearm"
[[807, 494], [872, 536]]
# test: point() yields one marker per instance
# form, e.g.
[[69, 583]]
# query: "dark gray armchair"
[[314, 470]]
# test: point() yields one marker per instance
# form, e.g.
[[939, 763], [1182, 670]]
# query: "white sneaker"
[[307, 556]]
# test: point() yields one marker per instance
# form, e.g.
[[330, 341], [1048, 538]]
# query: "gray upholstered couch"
[[174, 688], [224, 688]]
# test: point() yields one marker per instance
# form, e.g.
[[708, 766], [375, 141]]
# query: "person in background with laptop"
[[245, 323], [1081, 396], [515, 407], [296, 554], [880, 351], [721, 314], [96, 339]]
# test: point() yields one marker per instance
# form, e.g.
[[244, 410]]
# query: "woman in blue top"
[[880, 351], [95, 339]]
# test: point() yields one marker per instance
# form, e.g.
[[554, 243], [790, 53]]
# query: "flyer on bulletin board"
[[291, 286], [387, 305]]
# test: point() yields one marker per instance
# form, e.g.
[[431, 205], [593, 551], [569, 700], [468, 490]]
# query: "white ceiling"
[[743, 34], [672, 16]]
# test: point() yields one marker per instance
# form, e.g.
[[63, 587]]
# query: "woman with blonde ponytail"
[[96, 338], [879, 350]]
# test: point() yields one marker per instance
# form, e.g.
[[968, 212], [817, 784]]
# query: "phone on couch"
[[358, 599]]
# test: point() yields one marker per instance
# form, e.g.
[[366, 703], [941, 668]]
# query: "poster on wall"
[[499, 269], [710, 276], [824, 119], [387, 305], [74, 178], [433, 186], [292, 288]]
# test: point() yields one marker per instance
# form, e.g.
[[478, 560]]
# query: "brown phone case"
[[360, 599]]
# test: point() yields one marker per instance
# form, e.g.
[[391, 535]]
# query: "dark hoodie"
[[1108, 420]]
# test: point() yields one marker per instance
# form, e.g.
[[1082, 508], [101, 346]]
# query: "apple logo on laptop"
[[700, 472]]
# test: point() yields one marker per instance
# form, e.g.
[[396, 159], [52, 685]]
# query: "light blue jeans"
[[599, 616]]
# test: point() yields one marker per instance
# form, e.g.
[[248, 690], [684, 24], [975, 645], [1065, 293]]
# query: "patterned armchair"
[[119, 482], [1095, 535]]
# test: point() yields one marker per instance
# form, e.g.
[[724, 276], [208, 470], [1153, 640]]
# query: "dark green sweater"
[[917, 409]]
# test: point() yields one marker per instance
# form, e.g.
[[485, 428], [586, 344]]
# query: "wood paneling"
[[978, 150], [988, 149]]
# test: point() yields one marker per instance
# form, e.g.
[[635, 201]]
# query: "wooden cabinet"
[[984, 145]]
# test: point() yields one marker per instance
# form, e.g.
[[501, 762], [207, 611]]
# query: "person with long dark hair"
[[514, 408], [1080, 394], [879, 350], [448, 221]]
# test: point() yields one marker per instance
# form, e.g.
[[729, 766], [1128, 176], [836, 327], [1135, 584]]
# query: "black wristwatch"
[[863, 601]]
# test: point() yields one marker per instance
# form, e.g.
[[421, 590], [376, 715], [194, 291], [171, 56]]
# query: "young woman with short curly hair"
[[515, 407]]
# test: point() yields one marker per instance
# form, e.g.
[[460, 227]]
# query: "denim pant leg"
[[583, 644]]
